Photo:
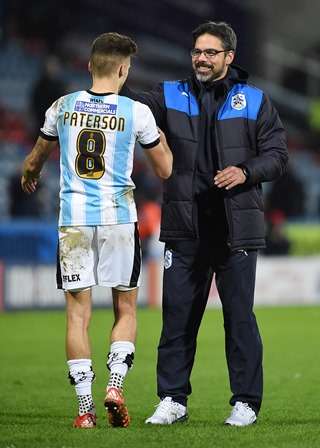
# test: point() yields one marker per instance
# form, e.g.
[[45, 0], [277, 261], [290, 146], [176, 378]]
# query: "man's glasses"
[[208, 53]]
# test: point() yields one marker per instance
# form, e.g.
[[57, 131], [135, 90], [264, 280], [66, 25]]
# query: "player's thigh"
[[78, 305], [124, 300]]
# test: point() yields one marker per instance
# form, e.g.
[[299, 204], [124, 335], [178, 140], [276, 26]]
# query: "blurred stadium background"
[[44, 49]]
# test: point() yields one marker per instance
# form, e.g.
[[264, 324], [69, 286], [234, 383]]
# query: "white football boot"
[[168, 412], [241, 415]]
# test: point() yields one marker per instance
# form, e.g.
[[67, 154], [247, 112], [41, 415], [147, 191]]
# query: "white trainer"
[[168, 412], [241, 415]]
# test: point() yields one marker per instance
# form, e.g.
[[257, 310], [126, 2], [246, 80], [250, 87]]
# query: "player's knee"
[[127, 310], [86, 318], [127, 305], [79, 319]]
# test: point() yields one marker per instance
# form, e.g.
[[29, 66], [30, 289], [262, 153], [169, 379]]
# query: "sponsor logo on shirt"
[[96, 108]]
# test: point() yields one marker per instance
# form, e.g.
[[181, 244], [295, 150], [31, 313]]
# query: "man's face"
[[210, 66]]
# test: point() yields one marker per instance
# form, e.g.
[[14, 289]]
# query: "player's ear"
[[124, 69], [89, 67]]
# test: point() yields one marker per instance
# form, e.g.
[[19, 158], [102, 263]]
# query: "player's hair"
[[222, 30], [108, 50]]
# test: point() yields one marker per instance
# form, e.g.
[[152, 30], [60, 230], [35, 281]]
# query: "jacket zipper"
[[221, 163], [195, 229]]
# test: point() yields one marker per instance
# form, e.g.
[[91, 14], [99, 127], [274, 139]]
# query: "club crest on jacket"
[[238, 101], [167, 259]]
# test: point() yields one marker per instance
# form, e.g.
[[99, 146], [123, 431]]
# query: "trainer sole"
[[239, 425], [182, 419]]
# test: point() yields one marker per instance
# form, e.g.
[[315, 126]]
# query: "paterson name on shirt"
[[82, 119]]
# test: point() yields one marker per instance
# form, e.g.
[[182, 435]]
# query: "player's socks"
[[120, 359], [116, 380], [86, 404], [81, 376]]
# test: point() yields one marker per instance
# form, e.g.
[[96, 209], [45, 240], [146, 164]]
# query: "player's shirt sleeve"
[[147, 131], [49, 130]]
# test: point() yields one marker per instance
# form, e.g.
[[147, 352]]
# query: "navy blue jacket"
[[248, 133]]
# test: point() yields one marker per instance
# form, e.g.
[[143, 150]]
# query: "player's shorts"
[[107, 255]]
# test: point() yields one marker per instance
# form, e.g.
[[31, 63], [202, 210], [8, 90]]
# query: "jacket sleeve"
[[271, 145], [154, 99]]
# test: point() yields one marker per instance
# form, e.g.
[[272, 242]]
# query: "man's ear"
[[89, 67], [121, 71], [229, 57]]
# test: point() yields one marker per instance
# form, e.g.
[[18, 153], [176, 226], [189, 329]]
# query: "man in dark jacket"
[[226, 138]]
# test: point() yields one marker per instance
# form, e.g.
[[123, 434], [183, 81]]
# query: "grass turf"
[[37, 404]]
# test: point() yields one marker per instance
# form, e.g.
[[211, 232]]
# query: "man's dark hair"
[[222, 30], [108, 49]]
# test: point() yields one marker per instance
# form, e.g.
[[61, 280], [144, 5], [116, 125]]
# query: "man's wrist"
[[28, 175], [245, 172]]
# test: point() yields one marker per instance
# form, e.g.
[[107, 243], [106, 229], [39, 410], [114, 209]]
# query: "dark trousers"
[[186, 285]]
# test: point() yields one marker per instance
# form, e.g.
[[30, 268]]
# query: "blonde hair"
[[108, 51]]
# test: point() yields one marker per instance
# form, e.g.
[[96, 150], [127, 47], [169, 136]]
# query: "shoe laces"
[[242, 408], [166, 405]]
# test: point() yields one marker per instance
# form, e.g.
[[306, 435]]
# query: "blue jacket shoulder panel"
[[178, 96], [243, 101]]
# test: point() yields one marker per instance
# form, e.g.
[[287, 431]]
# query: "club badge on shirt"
[[238, 101]]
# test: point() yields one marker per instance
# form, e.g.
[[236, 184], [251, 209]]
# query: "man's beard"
[[206, 77]]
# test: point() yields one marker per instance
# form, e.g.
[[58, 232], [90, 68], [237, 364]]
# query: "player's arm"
[[46, 142], [34, 162], [160, 157], [153, 140]]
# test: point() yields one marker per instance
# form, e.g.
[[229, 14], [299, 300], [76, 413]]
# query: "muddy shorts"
[[107, 255]]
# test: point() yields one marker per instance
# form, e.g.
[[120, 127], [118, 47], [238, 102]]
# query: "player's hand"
[[229, 177], [29, 184]]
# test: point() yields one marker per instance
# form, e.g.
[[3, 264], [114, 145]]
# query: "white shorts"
[[107, 255]]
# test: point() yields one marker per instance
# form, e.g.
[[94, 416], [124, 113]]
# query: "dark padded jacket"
[[248, 133]]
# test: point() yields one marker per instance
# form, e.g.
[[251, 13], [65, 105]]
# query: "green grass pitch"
[[37, 404]]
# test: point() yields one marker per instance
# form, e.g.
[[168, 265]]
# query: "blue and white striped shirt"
[[97, 135]]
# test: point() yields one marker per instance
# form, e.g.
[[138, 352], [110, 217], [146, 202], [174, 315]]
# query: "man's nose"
[[202, 58]]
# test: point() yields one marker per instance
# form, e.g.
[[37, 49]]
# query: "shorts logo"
[[71, 278], [167, 259], [238, 101]]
